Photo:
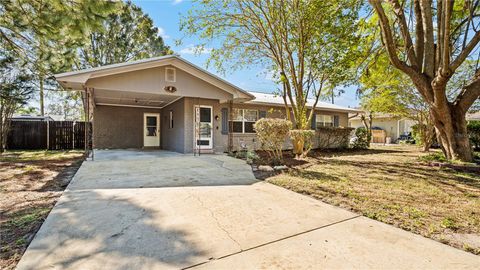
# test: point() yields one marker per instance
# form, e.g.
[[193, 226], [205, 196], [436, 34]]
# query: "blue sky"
[[166, 15]]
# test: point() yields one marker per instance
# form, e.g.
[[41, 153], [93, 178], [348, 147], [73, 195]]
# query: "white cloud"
[[191, 49], [175, 2], [162, 33]]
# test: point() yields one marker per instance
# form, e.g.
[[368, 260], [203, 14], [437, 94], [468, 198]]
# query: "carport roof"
[[76, 80]]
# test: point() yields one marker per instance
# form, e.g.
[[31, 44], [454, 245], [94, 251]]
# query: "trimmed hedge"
[[333, 137], [272, 133]]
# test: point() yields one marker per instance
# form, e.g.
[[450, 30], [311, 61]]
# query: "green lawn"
[[394, 185]]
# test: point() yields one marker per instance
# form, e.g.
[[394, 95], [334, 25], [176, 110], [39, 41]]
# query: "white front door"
[[203, 127], [151, 129]]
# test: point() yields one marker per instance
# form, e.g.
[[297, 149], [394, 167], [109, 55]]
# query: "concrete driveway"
[[155, 209]]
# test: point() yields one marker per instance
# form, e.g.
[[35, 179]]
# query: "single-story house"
[[169, 103], [394, 126]]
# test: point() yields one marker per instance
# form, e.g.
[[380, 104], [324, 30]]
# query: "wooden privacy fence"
[[379, 136], [52, 135]]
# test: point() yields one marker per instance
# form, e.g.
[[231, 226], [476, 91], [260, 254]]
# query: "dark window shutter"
[[224, 121], [262, 114], [314, 121], [336, 121]]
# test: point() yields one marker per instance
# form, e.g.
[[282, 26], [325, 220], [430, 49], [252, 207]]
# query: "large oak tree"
[[429, 41]]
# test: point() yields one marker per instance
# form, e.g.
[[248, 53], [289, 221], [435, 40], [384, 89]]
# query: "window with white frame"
[[243, 120], [323, 120]]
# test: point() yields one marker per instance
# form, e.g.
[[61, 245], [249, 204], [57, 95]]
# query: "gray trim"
[[336, 121], [262, 114], [314, 121], [224, 121]]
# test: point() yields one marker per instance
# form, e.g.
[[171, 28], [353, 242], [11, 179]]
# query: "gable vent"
[[170, 75]]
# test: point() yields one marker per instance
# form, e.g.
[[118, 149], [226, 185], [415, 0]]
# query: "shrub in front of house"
[[333, 137], [473, 129], [361, 140], [271, 134]]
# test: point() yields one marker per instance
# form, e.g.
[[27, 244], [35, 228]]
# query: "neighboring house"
[[169, 103], [473, 116], [394, 126]]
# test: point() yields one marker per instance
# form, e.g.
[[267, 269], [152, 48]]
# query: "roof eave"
[[347, 110]]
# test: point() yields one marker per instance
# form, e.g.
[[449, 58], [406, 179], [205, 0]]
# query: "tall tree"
[[127, 35], [308, 44], [46, 34], [429, 41], [15, 90]]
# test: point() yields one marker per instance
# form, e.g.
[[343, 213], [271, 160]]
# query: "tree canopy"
[[125, 35], [309, 45], [429, 41], [56, 36]]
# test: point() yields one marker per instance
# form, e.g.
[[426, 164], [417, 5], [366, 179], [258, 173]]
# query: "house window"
[[170, 119], [323, 120], [170, 75], [243, 120]]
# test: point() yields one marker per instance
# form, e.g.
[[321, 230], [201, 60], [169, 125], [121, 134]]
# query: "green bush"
[[416, 134], [249, 155], [362, 139], [473, 129], [272, 133]]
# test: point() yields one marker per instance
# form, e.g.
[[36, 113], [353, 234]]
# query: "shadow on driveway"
[[130, 235]]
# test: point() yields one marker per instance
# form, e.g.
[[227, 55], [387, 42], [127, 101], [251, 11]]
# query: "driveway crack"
[[219, 225], [127, 226], [272, 242]]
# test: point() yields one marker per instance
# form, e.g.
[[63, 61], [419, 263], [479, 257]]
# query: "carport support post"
[[87, 124], [85, 106], [230, 126]]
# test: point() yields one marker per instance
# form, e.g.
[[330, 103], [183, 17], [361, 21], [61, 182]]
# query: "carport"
[[164, 103]]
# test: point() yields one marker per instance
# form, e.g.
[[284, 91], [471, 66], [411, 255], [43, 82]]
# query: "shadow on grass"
[[412, 172], [313, 175], [325, 153]]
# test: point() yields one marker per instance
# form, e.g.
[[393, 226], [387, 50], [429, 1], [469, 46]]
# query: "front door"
[[151, 130], [203, 127]]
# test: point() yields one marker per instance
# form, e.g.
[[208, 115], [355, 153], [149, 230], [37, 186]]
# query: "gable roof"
[[77, 79], [276, 100]]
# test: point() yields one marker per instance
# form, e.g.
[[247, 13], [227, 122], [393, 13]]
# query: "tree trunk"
[[451, 129], [298, 145], [42, 97]]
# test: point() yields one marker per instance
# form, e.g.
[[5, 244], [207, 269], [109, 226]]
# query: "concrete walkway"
[[156, 210]]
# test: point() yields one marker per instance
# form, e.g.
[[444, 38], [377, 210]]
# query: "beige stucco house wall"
[[152, 103]]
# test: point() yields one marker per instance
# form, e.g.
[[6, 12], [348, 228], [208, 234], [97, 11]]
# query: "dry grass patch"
[[392, 185], [30, 184]]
